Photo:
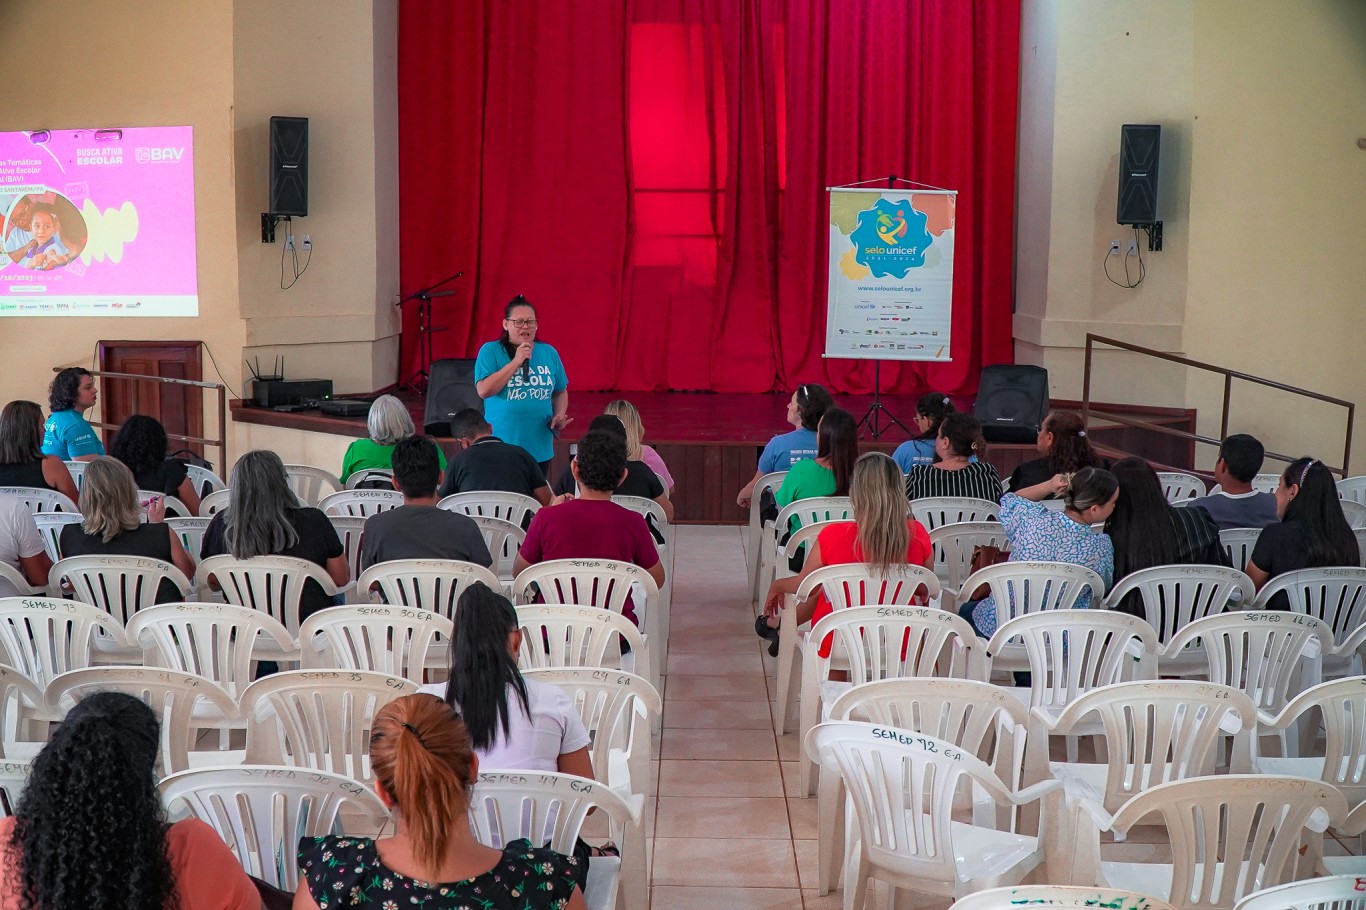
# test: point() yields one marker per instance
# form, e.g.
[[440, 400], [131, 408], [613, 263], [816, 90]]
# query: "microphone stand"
[[425, 329]]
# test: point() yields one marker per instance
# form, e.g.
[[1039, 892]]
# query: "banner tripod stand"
[[876, 412]]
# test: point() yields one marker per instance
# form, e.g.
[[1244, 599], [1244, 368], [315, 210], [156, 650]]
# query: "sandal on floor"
[[607, 849], [766, 632]]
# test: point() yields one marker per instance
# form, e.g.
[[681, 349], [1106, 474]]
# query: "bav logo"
[[146, 155]]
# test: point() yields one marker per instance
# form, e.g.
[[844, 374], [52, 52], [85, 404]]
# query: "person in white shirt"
[[21, 546]]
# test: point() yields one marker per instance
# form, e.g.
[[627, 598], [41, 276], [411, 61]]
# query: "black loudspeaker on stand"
[[450, 391], [1012, 402]]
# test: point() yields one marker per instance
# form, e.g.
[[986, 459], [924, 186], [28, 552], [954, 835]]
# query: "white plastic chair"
[[938, 511], [220, 642], [191, 533], [215, 502], [370, 475], [953, 546], [262, 812], [311, 484], [1022, 587], [754, 537], [433, 585], [653, 513], [902, 786], [174, 507], [77, 471], [392, 640], [556, 636], [1353, 488], [1178, 486], [14, 581], [1238, 544], [175, 697], [351, 532], [319, 720], [14, 776], [119, 585], [1337, 892], [1337, 596], [40, 499], [44, 637], [1266, 483], [806, 512], [204, 480], [360, 503], [513, 507], [23, 704], [1354, 512], [50, 526], [1060, 896], [1174, 596], [272, 584], [1230, 835], [1339, 707], [504, 540]]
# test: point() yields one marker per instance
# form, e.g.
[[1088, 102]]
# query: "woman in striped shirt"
[[956, 473]]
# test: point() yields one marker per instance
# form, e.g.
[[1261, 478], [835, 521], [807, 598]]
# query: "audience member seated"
[[1065, 449], [486, 463], [956, 473], [21, 546], [930, 412], [640, 479], [111, 523], [418, 529], [1147, 531], [425, 767], [636, 449], [67, 434], [590, 525], [808, 405], [388, 423], [264, 518], [1312, 533], [22, 462], [90, 830], [829, 473], [1236, 504], [142, 445], [1036, 532], [883, 535]]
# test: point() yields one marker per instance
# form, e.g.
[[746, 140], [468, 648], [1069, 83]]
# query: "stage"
[[711, 441]]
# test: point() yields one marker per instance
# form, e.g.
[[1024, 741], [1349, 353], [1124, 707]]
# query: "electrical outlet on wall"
[[307, 242], [289, 241], [1114, 247], [1133, 247]]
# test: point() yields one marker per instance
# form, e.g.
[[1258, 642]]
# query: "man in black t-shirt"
[[488, 463], [418, 529]]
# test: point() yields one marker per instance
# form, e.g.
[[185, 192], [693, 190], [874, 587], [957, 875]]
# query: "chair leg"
[[829, 829], [787, 654], [856, 880], [635, 875]]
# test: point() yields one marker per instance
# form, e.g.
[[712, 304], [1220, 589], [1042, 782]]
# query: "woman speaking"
[[525, 390]]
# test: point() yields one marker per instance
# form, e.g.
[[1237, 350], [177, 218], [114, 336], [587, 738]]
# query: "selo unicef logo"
[[891, 238]]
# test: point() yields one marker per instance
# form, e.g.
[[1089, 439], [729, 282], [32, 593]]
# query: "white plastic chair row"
[[754, 537], [40, 499], [513, 507]]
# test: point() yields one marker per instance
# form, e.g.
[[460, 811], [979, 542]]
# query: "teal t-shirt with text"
[[67, 435], [520, 413]]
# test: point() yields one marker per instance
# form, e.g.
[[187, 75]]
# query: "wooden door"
[[180, 408]]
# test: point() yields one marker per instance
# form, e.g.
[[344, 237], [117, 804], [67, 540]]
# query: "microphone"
[[526, 367]]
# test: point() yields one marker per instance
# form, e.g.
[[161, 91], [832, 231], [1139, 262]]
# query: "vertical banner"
[[891, 274]]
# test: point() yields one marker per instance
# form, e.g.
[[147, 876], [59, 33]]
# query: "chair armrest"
[[1035, 791]]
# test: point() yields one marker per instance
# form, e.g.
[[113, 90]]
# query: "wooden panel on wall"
[[180, 408]]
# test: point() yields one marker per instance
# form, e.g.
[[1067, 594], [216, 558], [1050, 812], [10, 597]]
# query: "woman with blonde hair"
[[111, 523], [425, 767], [636, 449], [389, 423], [883, 535]]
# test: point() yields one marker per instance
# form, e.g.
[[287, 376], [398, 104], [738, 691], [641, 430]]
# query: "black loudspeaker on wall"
[[289, 166], [1139, 145], [449, 391], [1012, 402]]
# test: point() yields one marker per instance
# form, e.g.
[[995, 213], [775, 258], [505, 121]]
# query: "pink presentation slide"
[[98, 223]]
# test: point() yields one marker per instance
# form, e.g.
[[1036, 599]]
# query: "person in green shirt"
[[389, 424], [828, 473]]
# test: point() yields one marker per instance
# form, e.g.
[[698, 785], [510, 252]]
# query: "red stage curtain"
[[651, 174]]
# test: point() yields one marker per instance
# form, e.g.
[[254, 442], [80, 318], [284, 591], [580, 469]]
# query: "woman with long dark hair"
[[425, 768], [22, 462], [829, 473], [523, 384], [961, 469], [1064, 447], [1148, 531], [805, 409], [1312, 533], [90, 830], [930, 412], [141, 443]]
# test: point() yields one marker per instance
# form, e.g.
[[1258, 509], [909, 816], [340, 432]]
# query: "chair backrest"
[[204, 480], [1024, 587], [1335, 892], [318, 719], [1179, 486], [40, 499], [1341, 704], [350, 531], [1266, 483], [1071, 652], [13, 777], [212, 640], [1354, 512], [886, 642], [77, 471], [813, 509], [44, 637], [191, 533], [937, 511], [1252, 823], [769, 482], [953, 546], [50, 526], [858, 585], [174, 507], [1159, 731], [547, 808], [311, 484], [262, 812], [648, 509], [172, 695], [433, 585], [504, 540], [360, 503], [514, 507], [272, 584], [608, 702], [215, 502], [392, 640], [1353, 488], [1238, 544], [1337, 596], [119, 585], [13, 582], [1260, 652], [1176, 595], [602, 583], [1016, 896], [20, 699], [565, 636], [371, 479]]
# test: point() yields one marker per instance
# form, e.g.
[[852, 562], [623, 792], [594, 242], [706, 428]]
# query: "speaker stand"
[[422, 376], [876, 412]]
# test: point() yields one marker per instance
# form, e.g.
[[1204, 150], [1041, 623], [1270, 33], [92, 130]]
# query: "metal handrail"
[[1229, 376]]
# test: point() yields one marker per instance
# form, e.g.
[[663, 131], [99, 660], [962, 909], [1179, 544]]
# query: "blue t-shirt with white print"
[[521, 412]]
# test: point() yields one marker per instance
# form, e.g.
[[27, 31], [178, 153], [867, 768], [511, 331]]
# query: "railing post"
[[1086, 384], [1228, 394]]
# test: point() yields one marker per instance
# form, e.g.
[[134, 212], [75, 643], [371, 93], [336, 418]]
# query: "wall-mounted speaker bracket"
[[1155, 237]]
